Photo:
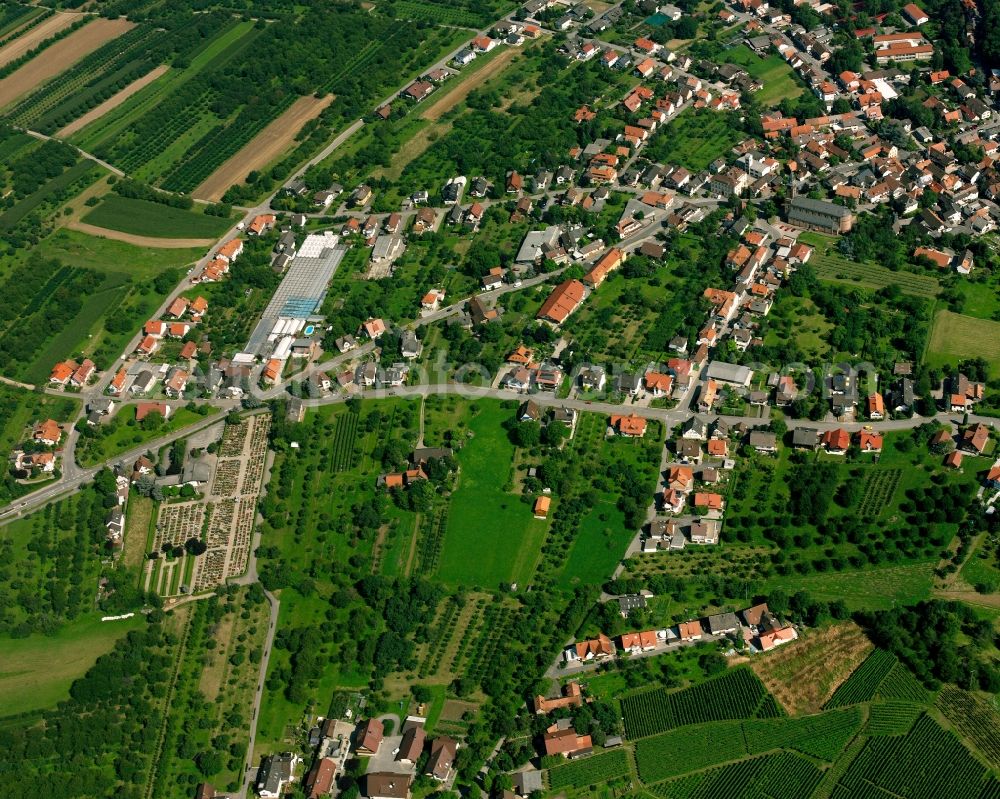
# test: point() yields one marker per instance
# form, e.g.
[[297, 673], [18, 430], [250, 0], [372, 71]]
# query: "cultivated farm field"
[[265, 147], [60, 56], [146, 218], [31, 38], [955, 336]]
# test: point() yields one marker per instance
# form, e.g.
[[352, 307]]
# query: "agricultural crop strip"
[[974, 718], [688, 749], [892, 718], [864, 682], [880, 486], [735, 695], [98, 75], [927, 763], [779, 776], [589, 771]]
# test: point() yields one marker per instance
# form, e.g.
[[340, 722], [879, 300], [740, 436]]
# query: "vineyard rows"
[[589, 771], [927, 763], [780, 776], [342, 452], [681, 751], [903, 684], [864, 682], [823, 736], [892, 718], [432, 527], [974, 718], [880, 487], [444, 628], [738, 694]]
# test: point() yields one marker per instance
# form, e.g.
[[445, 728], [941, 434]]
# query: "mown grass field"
[[694, 140], [777, 77], [119, 435], [145, 218], [36, 672], [492, 536], [955, 336], [94, 252], [833, 267], [876, 588], [601, 541], [20, 407]]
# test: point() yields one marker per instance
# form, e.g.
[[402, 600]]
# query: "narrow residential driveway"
[[272, 628]]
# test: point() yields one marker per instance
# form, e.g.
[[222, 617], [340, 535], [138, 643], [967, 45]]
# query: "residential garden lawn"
[[19, 408], [777, 77], [694, 139], [492, 536], [107, 255], [36, 672], [600, 543], [955, 337], [981, 298], [833, 267], [146, 218], [799, 318], [117, 436]]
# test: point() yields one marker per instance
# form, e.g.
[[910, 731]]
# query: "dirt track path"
[[139, 241], [41, 32], [111, 103]]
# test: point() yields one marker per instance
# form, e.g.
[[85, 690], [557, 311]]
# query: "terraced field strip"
[[15, 21], [60, 56], [112, 102], [219, 50], [837, 269], [265, 147], [468, 83], [32, 38]]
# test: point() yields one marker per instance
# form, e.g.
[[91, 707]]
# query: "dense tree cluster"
[[940, 641]]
